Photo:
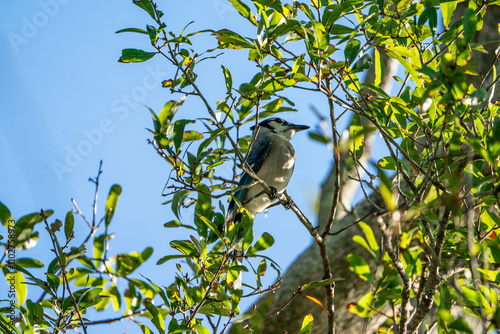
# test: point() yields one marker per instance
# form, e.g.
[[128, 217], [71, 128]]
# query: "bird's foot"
[[274, 193], [288, 203]]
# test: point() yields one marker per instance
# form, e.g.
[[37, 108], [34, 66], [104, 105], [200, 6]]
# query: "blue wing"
[[256, 157]]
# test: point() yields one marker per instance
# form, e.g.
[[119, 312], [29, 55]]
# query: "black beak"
[[298, 128]]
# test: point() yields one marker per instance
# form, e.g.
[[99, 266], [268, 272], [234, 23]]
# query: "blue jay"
[[272, 158]]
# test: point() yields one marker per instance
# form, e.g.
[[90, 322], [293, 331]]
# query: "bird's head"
[[278, 125]]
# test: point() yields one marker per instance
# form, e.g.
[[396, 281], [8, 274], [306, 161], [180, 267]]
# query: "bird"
[[272, 159]]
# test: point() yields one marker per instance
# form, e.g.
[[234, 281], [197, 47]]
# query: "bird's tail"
[[238, 258], [234, 217]]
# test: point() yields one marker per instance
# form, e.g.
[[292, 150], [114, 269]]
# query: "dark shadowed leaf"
[[69, 224], [137, 30], [147, 6]]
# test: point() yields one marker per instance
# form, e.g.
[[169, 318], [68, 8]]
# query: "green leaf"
[[264, 242], [379, 67], [69, 224], [135, 56], [35, 313], [168, 112], [363, 307], [490, 219], [351, 50], [407, 65], [147, 6], [192, 136], [460, 324], [29, 263], [331, 15], [362, 64], [299, 64], [356, 136], [178, 200], [400, 50], [24, 226], [211, 225], [98, 249], [359, 266], [370, 237], [128, 263], [156, 121], [136, 30], [164, 259], [111, 202], [447, 9], [76, 252], [244, 11], [305, 8], [37, 281], [231, 40], [201, 329], [54, 266], [321, 38], [245, 316], [318, 284], [153, 34], [306, 327], [203, 208], [470, 23], [54, 282], [186, 247], [145, 329], [115, 296], [471, 296], [20, 286], [338, 29], [387, 163], [493, 251], [5, 215], [261, 270], [228, 79], [175, 223], [178, 136]]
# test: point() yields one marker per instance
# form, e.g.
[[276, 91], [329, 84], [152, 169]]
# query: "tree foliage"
[[434, 197]]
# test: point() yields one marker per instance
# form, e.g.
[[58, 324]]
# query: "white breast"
[[276, 171]]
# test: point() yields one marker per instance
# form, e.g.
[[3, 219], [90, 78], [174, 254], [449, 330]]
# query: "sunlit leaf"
[[227, 78], [111, 202], [359, 266], [447, 9], [135, 56], [263, 243], [5, 216], [306, 327]]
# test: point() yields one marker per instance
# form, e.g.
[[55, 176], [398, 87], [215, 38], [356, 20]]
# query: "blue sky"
[[66, 103]]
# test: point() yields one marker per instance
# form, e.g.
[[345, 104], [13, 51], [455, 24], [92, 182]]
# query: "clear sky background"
[[66, 101]]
